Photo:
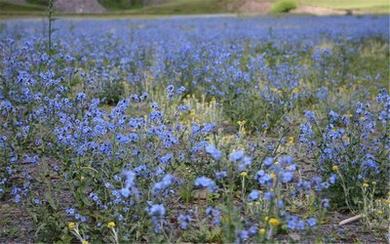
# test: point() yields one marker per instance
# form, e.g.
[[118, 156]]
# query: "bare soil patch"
[[79, 6], [319, 11]]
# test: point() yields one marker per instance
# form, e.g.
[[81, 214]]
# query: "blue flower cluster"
[[121, 117]]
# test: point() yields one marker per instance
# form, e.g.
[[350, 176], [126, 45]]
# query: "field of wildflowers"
[[181, 129]]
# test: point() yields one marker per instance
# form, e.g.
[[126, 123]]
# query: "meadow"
[[195, 129]]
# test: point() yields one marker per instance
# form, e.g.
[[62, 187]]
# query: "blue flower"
[[243, 235], [310, 116], [162, 185], [268, 161], [208, 127], [286, 160], [287, 176], [268, 196], [213, 151], [311, 222], [156, 210], [215, 213], [165, 159], [205, 182], [332, 179], [184, 221], [254, 195], [322, 93], [220, 175], [263, 178], [125, 192], [236, 155]]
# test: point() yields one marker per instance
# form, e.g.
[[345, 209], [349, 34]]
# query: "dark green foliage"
[[121, 4], [112, 92], [6, 6], [39, 2], [283, 6]]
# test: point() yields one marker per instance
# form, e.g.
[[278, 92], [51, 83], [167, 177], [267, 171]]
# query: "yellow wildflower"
[[241, 122], [244, 174], [262, 231], [72, 225], [111, 225], [296, 90], [335, 168], [274, 222], [291, 140]]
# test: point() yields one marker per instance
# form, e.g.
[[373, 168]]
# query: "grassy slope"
[[218, 6], [347, 4], [185, 6], [208, 6], [7, 6]]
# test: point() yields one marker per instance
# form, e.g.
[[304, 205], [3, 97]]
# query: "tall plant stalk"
[[50, 12]]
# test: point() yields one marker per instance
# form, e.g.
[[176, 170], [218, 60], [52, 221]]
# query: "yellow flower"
[[244, 174], [296, 90], [365, 185], [72, 225], [262, 231], [241, 123], [335, 168], [111, 225], [84, 242], [291, 140], [274, 89], [273, 175], [274, 222]]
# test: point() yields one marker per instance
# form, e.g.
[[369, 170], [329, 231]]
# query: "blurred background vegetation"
[[167, 7]]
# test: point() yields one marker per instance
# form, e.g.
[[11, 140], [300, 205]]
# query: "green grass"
[[185, 7], [347, 4], [219, 6], [132, 7], [39, 2], [11, 7], [120, 4], [283, 6]]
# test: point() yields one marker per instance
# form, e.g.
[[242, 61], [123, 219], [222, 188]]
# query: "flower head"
[[274, 222], [335, 168], [72, 225], [205, 182], [111, 225], [262, 231]]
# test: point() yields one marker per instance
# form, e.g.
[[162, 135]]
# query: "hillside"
[[316, 7]]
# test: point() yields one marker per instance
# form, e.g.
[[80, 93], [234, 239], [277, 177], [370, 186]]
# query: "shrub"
[[283, 6]]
